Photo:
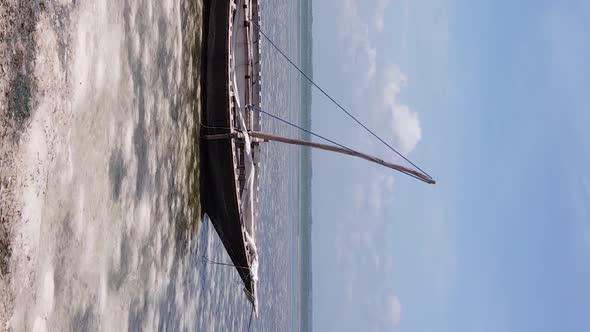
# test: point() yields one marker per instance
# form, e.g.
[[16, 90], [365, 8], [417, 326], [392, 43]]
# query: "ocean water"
[[222, 304], [280, 213], [110, 237]]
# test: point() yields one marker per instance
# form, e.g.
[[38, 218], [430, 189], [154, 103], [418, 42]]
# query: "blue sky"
[[491, 98]]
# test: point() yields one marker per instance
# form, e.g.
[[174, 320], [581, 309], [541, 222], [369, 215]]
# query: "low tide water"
[[111, 236]]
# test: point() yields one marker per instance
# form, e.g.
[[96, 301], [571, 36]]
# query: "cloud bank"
[[361, 236], [380, 83]]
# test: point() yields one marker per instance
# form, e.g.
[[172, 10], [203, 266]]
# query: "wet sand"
[[99, 113]]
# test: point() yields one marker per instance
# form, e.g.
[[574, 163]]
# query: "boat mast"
[[350, 152]]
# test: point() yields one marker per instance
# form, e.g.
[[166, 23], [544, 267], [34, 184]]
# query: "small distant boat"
[[232, 134]]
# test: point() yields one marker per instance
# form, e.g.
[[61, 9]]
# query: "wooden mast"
[[346, 151]]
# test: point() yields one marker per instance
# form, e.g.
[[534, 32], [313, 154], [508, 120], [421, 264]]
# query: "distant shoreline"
[[306, 42]]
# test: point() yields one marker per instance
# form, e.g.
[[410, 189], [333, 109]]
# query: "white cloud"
[[380, 191], [392, 81], [405, 124], [394, 309], [372, 86], [406, 127], [379, 92], [371, 53], [360, 60], [359, 54], [379, 18], [361, 234]]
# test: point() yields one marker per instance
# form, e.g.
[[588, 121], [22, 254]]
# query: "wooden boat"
[[230, 159], [231, 131]]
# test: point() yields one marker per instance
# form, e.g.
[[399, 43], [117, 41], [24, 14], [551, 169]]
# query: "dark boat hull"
[[219, 198]]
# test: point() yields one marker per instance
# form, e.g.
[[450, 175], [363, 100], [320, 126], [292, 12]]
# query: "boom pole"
[[350, 152]]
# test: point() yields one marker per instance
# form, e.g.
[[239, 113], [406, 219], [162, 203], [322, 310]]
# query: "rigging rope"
[[334, 101], [207, 260], [250, 322], [298, 127], [318, 136]]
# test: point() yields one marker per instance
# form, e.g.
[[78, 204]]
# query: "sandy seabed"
[[99, 106]]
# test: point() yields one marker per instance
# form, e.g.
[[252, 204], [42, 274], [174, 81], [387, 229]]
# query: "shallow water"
[[111, 236], [109, 172]]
